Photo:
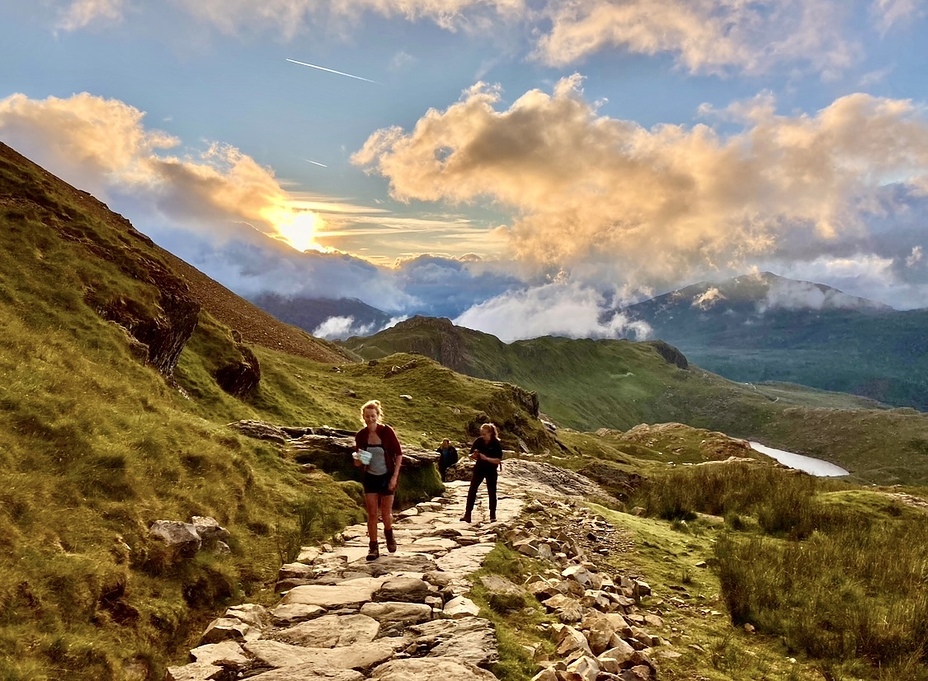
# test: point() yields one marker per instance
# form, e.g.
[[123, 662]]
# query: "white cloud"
[[802, 295], [291, 17], [556, 309], [915, 257], [892, 12], [83, 13], [710, 297], [705, 36], [614, 200]]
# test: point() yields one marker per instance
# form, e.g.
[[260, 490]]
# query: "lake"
[[823, 469]]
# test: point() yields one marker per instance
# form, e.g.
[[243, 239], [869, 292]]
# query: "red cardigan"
[[393, 452]]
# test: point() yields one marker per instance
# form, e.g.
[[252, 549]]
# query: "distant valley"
[[758, 328], [750, 329]]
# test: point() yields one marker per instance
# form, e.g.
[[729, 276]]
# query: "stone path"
[[407, 616]]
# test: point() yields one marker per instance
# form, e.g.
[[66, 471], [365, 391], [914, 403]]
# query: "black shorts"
[[377, 484]]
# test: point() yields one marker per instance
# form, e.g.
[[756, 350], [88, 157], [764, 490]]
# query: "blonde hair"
[[492, 428], [373, 404]]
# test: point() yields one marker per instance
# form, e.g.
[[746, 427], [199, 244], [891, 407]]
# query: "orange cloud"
[[592, 194], [101, 145], [706, 36]]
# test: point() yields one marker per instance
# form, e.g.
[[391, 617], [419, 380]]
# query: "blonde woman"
[[487, 453], [378, 452]]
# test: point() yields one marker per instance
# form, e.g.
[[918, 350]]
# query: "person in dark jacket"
[[487, 453], [378, 452], [448, 456]]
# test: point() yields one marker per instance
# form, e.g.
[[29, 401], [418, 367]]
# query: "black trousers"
[[481, 474]]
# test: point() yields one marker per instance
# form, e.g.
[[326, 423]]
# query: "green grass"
[[837, 573], [95, 446], [590, 384]]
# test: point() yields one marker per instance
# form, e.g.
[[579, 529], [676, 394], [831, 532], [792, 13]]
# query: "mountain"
[[353, 316], [589, 384], [757, 328], [128, 382], [121, 370]]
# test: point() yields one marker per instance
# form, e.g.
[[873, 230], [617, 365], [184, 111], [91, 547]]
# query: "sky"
[[522, 167]]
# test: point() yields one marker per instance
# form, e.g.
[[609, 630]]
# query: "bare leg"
[[386, 512], [372, 507]]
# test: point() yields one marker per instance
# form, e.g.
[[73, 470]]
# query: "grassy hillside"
[[109, 422], [590, 384], [105, 428]]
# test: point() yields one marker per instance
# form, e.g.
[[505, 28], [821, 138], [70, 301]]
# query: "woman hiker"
[[378, 452], [487, 453]]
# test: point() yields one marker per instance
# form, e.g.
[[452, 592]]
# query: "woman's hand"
[[392, 486]]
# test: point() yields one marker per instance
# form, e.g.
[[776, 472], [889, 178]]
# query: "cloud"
[[915, 257], [704, 36], [891, 12], [102, 145], [555, 309], [291, 17], [803, 295], [83, 13], [341, 328], [604, 197], [707, 299]]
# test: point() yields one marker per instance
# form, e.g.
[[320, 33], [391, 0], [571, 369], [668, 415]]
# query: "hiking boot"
[[465, 518], [373, 553], [391, 542], [492, 517]]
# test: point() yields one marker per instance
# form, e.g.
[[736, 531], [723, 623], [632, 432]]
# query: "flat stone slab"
[[195, 671], [410, 613], [330, 631], [431, 670], [309, 672], [465, 559], [226, 653], [361, 656], [471, 640], [350, 593], [297, 612]]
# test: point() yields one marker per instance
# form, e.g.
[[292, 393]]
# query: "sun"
[[297, 228]]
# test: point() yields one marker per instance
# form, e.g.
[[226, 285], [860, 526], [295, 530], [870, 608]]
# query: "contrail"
[[340, 73], [315, 163]]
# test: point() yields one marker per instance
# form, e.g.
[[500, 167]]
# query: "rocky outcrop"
[[670, 354], [240, 379], [172, 541], [163, 332], [328, 449]]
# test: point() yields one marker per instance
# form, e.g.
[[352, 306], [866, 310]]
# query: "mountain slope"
[[309, 313], [119, 372], [590, 384], [767, 328]]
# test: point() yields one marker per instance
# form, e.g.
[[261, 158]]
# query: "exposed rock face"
[[164, 334], [240, 379], [670, 354]]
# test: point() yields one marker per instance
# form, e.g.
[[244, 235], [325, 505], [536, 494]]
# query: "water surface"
[[823, 469]]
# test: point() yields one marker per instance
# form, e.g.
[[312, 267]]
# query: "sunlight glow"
[[297, 228]]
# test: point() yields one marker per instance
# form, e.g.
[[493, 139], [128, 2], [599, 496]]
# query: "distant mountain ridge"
[[764, 327], [309, 314]]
